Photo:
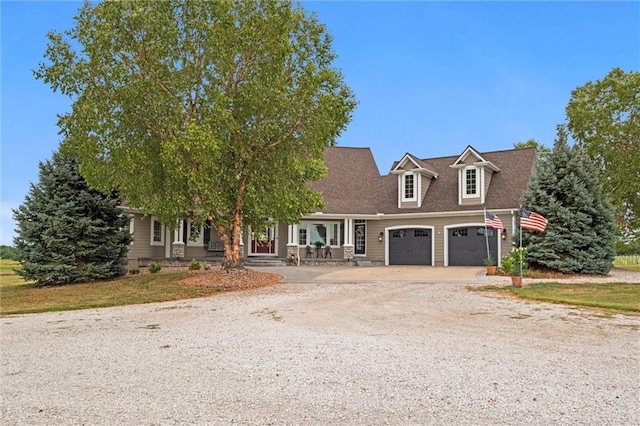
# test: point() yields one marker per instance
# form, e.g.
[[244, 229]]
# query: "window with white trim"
[[129, 226], [471, 182], [409, 187], [324, 233], [192, 235], [157, 232]]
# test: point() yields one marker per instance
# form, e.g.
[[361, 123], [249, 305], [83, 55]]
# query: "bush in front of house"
[[155, 267], [194, 265]]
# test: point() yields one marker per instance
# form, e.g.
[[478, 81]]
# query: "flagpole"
[[486, 236], [520, 221]]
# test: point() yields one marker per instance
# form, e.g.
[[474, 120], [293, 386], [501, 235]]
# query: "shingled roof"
[[349, 187], [354, 185]]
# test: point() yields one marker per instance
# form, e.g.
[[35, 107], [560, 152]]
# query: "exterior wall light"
[[380, 236], [503, 234]]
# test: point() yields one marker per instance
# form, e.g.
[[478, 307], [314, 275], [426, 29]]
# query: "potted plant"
[[490, 263], [515, 265]]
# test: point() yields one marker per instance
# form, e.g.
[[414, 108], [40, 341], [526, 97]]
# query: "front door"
[[264, 242]]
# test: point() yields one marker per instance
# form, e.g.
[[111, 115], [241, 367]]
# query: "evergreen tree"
[[580, 234], [68, 232]]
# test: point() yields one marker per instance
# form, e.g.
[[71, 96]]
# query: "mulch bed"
[[235, 279]]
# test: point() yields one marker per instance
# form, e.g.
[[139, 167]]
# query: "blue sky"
[[430, 77]]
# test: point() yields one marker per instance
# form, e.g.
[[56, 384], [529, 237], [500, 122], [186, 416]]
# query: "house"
[[423, 212]]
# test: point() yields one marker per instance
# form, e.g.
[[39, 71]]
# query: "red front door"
[[264, 242]]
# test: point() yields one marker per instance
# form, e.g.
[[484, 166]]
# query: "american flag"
[[532, 220], [492, 221]]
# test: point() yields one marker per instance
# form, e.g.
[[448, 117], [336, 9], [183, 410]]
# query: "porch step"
[[265, 261]]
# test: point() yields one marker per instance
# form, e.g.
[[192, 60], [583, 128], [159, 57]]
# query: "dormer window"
[[474, 177], [409, 187], [471, 181], [414, 178]]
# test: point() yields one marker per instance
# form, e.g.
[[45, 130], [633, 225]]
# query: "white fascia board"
[[487, 165], [402, 162]]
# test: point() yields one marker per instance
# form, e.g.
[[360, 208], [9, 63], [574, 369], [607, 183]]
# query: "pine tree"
[[68, 232], [580, 234]]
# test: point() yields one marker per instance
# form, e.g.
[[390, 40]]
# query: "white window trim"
[[132, 221], [415, 187], [328, 224], [464, 182], [157, 243], [197, 242]]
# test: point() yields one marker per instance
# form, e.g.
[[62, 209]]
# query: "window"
[[129, 226], [408, 187], [471, 182], [325, 233], [360, 231], [401, 233], [481, 232], [192, 234], [421, 233], [302, 234], [460, 232], [333, 234], [157, 232], [206, 233]]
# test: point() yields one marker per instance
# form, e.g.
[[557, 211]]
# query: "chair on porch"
[[327, 252], [309, 252]]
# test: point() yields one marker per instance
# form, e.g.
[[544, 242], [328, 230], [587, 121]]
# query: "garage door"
[[411, 246], [468, 245]]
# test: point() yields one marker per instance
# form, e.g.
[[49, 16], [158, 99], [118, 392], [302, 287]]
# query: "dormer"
[[474, 176], [414, 178]]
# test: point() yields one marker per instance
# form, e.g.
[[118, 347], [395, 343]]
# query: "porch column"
[[167, 242], [293, 247], [178, 246], [347, 249]]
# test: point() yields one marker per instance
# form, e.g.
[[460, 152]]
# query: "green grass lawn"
[[617, 296], [8, 276], [18, 297]]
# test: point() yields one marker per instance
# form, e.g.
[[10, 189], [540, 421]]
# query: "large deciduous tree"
[[542, 151], [67, 232], [604, 119], [580, 234], [216, 110]]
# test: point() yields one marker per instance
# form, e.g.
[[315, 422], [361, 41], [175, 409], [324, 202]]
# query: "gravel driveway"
[[324, 353]]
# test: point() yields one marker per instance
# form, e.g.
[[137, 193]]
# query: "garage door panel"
[[468, 245], [410, 246]]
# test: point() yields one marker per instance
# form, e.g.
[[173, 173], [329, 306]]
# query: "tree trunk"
[[230, 238]]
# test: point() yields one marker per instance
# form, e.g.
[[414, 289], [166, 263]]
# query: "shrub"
[[155, 267], [194, 265], [134, 271], [207, 267], [511, 262]]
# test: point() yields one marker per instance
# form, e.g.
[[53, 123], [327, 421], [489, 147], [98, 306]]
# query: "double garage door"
[[468, 245], [410, 246]]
